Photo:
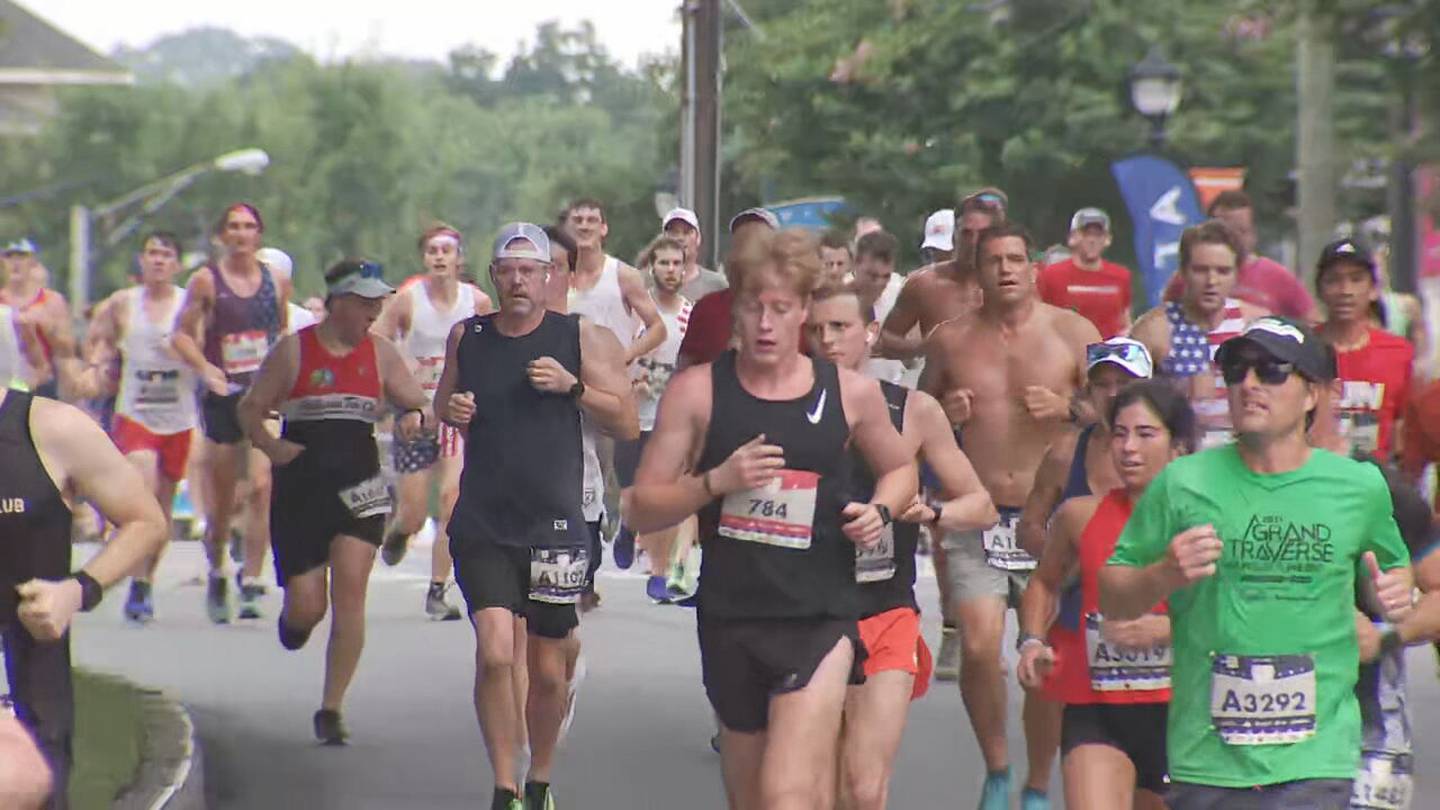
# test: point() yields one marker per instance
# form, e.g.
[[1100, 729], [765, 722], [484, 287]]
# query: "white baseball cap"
[[683, 214], [538, 249], [277, 260], [940, 230], [1090, 216], [1127, 353]]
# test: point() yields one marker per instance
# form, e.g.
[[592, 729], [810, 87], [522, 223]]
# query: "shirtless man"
[[1183, 335], [43, 314], [1006, 374]]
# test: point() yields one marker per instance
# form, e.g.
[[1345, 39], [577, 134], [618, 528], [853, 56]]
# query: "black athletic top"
[[1077, 485], [521, 484], [886, 574], [34, 520], [778, 553]]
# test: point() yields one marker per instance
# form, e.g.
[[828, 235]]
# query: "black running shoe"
[[328, 728]]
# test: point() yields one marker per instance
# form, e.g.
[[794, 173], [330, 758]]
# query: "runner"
[[282, 266], [517, 382], [1264, 283], [1085, 282], [939, 242], [1257, 545], [682, 225], [419, 319], [880, 285], [836, 261], [1374, 365], [750, 443], [155, 412], [1185, 334], [23, 364], [42, 310], [57, 456], [1006, 373], [234, 312], [897, 667], [712, 328], [1112, 677]]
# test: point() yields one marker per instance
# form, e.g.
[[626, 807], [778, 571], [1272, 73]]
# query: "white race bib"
[[427, 373], [1381, 784], [156, 390], [782, 513], [1119, 669], [367, 498], [1001, 548], [877, 564], [242, 352], [1362, 428], [1264, 699], [557, 575]]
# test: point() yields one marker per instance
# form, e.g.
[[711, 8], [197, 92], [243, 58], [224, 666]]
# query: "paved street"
[[641, 736]]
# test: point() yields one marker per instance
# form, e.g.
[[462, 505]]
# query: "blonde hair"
[[790, 258]]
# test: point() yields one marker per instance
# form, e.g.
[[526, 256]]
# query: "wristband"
[[90, 591], [1389, 637], [884, 512]]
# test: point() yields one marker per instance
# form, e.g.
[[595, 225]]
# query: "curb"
[[171, 775]]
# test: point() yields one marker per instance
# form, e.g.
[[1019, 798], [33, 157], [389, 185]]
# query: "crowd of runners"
[[1216, 506]]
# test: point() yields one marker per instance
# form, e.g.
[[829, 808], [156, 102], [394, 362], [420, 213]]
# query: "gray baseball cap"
[[538, 249], [1090, 216], [764, 215], [357, 277]]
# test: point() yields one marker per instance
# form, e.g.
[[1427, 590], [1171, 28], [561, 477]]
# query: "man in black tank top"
[[758, 443], [516, 382], [897, 667], [54, 456]]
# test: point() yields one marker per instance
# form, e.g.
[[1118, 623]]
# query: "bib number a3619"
[[782, 513], [1117, 669], [1263, 699]]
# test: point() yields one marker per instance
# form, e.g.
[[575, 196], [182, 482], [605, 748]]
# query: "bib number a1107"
[[1383, 782], [1002, 550], [781, 513], [1263, 699], [557, 575], [1119, 669], [367, 498], [877, 564]]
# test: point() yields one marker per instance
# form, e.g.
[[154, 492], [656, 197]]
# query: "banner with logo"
[[1162, 203], [1210, 181]]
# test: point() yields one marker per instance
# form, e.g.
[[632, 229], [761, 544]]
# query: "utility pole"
[[1315, 133], [700, 124]]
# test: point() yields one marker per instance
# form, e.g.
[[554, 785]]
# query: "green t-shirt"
[[1264, 651]]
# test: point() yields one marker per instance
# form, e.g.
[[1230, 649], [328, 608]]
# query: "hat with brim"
[[365, 279], [521, 240], [20, 247], [1126, 353], [1286, 340], [764, 215], [1345, 250]]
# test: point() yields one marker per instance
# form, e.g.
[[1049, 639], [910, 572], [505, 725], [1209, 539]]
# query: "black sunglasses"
[[1267, 369]]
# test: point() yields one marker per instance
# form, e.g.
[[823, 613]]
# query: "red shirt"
[[1376, 380], [1102, 296], [708, 335], [1264, 283]]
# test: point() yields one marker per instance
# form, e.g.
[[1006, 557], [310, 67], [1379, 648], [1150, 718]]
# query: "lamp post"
[[1155, 89], [154, 196]]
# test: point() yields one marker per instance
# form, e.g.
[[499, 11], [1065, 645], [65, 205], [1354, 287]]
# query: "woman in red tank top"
[[1112, 676]]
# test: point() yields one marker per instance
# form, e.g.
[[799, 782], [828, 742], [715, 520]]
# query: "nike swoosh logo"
[[814, 416]]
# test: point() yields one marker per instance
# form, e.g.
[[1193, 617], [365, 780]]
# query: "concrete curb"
[[171, 775]]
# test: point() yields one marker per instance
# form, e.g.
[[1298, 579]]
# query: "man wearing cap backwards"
[[1184, 335], [697, 282], [1258, 545], [517, 382], [419, 319], [938, 244], [1007, 373], [234, 312], [1373, 365], [1085, 282], [879, 287], [328, 504], [836, 260], [711, 321], [44, 315]]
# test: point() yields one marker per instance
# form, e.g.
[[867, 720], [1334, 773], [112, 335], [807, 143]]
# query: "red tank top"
[[1118, 676], [334, 387]]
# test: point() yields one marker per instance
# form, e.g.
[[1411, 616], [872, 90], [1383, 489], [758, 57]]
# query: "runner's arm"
[[638, 300], [895, 341], [449, 377], [667, 489], [268, 389], [1145, 567], [1055, 563], [1423, 623], [394, 320], [891, 457], [284, 288], [968, 505], [401, 387], [607, 398], [199, 300], [1045, 494], [40, 370]]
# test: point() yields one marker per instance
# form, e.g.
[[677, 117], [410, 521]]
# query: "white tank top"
[[592, 486], [658, 366], [157, 388], [11, 368], [604, 303], [430, 330]]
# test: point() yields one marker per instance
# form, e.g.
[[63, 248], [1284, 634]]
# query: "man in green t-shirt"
[[1257, 545]]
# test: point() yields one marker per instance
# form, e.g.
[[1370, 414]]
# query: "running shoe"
[[658, 590], [538, 796], [392, 551], [996, 793], [139, 606], [436, 607], [506, 799], [572, 695], [1032, 799], [250, 594], [624, 549], [217, 599], [947, 662], [329, 730]]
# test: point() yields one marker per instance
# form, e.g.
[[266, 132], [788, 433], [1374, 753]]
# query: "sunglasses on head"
[[987, 200], [1126, 352], [1267, 369]]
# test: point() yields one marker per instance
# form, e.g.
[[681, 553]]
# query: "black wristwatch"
[[578, 389], [885, 518], [90, 591], [1389, 638]]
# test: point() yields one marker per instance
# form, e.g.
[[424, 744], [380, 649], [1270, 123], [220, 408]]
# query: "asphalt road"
[[641, 734]]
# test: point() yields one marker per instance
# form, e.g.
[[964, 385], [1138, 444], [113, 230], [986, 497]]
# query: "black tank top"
[[886, 574], [34, 520], [521, 484], [779, 553], [1077, 483]]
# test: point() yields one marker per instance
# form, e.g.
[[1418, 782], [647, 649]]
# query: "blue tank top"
[[1077, 485]]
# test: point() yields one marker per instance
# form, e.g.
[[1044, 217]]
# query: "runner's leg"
[[875, 717], [741, 755], [1041, 719], [351, 560], [222, 472], [449, 473], [495, 704], [412, 490], [1098, 777], [545, 701], [803, 730], [982, 680], [257, 514], [147, 463]]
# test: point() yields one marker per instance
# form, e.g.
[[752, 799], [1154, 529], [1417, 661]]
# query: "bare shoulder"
[[1076, 512], [689, 390], [1071, 325], [853, 383], [923, 409], [1151, 325], [1249, 311], [201, 283], [953, 331], [63, 429]]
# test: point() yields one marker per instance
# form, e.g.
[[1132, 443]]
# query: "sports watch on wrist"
[[578, 389], [885, 518]]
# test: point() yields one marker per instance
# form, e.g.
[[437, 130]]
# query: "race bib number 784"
[[781, 513]]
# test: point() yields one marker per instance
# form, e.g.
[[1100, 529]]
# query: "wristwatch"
[[90, 591], [885, 518], [1389, 637], [577, 390], [1026, 638]]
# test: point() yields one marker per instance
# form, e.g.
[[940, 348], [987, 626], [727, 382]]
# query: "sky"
[[409, 28]]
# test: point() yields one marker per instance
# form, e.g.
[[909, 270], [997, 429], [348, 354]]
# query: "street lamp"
[[154, 195], [1155, 88]]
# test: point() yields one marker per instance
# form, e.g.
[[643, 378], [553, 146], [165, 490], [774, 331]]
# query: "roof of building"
[[33, 51]]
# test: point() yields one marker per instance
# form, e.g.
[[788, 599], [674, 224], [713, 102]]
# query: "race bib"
[[1002, 550], [1382, 783], [1211, 439], [1264, 699], [1118, 669], [157, 390], [782, 513], [877, 564], [241, 352], [367, 498], [557, 575], [427, 373]]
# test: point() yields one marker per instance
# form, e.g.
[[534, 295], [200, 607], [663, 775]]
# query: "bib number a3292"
[[782, 513], [1263, 699]]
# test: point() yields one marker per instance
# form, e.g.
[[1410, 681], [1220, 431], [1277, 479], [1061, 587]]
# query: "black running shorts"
[[222, 423], [1137, 730], [540, 585], [307, 512], [746, 661]]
